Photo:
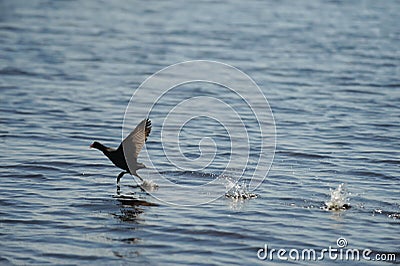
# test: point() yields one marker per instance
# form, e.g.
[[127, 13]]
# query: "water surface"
[[330, 70]]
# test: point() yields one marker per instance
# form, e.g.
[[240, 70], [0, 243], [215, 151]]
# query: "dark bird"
[[132, 145]]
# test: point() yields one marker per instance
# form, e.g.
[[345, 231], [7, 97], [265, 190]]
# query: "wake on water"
[[233, 189], [239, 191]]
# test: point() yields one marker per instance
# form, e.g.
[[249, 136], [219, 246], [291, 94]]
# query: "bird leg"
[[120, 175], [136, 174]]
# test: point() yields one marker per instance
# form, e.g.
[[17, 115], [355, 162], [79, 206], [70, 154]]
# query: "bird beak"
[[91, 146]]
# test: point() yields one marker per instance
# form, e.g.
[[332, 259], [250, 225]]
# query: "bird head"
[[96, 145]]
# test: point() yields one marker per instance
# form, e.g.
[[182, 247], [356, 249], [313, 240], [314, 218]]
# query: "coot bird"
[[132, 144]]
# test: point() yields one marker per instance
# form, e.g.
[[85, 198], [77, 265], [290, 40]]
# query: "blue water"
[[329, 69]]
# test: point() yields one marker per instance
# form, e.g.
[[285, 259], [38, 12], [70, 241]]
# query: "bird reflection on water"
[[132, 201], [131, 207]]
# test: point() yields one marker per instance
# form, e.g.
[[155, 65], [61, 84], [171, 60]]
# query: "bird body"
[[116, 156], [129, 150]]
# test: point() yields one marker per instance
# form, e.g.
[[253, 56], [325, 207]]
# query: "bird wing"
[[134, 142]]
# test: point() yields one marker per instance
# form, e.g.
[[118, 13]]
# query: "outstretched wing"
[[134, 142]]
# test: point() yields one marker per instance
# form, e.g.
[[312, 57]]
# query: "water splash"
[[339, 199], [149, 185], [238, 191]]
